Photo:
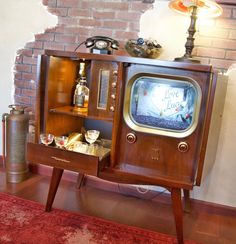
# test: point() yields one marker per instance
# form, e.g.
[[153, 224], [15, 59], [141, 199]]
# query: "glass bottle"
[[81, 93]]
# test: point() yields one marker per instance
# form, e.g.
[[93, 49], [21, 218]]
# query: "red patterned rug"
[[25, 222]]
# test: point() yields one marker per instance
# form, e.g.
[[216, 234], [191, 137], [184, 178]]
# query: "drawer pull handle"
[[60, 159]]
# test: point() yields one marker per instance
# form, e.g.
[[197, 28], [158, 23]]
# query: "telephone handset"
[[101, 44]]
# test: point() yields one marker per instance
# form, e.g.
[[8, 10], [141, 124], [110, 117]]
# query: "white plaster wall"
[[167, 27], [19, 20], [170, 30]]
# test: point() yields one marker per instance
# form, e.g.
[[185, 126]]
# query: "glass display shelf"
[[68, 110]]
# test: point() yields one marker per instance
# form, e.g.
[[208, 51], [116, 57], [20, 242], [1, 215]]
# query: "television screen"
[[163, 103]]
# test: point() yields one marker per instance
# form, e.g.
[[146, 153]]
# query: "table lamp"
[[194, 8]]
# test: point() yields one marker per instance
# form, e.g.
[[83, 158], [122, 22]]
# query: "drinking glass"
[[46, 139], [91, 136], [61, 141]]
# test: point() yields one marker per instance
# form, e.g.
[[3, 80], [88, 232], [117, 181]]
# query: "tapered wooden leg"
[[178, 213], [187, 206], [55, 180], [80, 180]]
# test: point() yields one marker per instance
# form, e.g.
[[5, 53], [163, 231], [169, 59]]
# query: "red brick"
[[102, 32], [103, 15], [203, 41], [24, 84], [227, 13], [23, 67], [68, 21], [17, 91], [29, 60], [18, 59], [223, 43], [231, 55], [214, 32], [232, 34], [116, 24], [78, 30], [56, 29], [210, 52], [53, 46], [29, 92], [134, 26], [138, 6], [37, 52], [28, 76], [71, 47], [44, 37], [105, 5], [25, 52], [226, 23], [124, 35], [17, 75], [59, 11], [65, 38], [90, 22], [67, 3], [50, 3], [22, 100], [45, 2], [36, 44], [132, 16], [77, 12]]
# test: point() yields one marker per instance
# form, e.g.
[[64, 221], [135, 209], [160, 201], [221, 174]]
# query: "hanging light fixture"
[[194, 8]]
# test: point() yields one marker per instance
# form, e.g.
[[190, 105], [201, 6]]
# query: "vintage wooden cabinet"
[[157, 115]]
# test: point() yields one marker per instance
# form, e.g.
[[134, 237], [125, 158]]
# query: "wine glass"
[[46, 139], [91, 136], [61, 141]]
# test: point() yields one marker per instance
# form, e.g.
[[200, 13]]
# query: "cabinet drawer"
[[55, 157]]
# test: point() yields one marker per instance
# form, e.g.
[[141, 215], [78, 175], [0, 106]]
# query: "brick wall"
[[119, 19]]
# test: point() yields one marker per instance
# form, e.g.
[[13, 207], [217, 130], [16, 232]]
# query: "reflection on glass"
[[103, 87], [46, 139], [163, 103], [61, 141]]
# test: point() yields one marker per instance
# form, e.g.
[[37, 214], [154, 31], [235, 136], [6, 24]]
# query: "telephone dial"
[[101, 44]]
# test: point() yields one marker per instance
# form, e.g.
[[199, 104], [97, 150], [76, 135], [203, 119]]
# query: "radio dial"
[[131, 138], [183, 147]]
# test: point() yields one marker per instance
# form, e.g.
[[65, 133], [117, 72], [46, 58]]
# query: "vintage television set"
[[156, 113]]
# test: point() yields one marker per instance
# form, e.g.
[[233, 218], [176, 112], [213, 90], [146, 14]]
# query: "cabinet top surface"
[[130, 60]]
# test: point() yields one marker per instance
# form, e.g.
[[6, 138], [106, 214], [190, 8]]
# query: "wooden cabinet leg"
[[187, 206], [80, 180], [55, 180], [178, 213]]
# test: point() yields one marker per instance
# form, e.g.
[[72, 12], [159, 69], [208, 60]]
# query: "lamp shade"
[[206, 8]]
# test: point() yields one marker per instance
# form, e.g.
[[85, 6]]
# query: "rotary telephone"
[[101, 44]]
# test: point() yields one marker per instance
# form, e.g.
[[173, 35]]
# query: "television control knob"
[[183, 147], [112, 108], [113, 84], [113, 96], [131, 138], [115, 72]]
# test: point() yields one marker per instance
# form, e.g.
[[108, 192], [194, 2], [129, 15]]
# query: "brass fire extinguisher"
[[15, 128]]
